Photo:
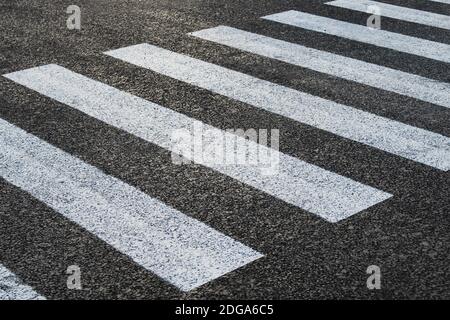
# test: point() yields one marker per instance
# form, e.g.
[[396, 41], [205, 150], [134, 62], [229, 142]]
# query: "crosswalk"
[[351, 123], [370, 74], [331, 196], [381, 38], [396, 12], [11, 288], [179, 249]]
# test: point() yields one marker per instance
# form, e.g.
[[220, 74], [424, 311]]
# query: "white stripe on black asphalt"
[[179, 249], [314, 189], [391, 136], [420, 47], [442, 1], [396, 12], [351, 69], [11, 288]]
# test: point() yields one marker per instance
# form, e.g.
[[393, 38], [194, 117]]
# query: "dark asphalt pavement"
[[306, 257]]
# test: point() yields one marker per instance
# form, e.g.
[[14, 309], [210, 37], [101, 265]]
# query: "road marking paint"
[[314, 189], [391, 136], [351, 69], [179, 249], [12, 288], [381, 38], [442, 1], [396, 12]]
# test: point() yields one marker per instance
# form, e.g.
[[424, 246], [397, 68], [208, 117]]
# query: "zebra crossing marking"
[[179, 249], [381, 38], [442, 1], [12, 288], [412, 143], [351, 69], [329, 195], [185, 252], [396, 12]]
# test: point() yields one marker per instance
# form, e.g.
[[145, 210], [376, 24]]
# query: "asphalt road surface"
[[89, 188]]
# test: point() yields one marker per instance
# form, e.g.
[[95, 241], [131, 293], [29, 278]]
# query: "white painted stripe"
[[11, 288], [416, 46], [412, 143], [396, 12], [351, 69], [324, 193], [442, 1], [179, 249]]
